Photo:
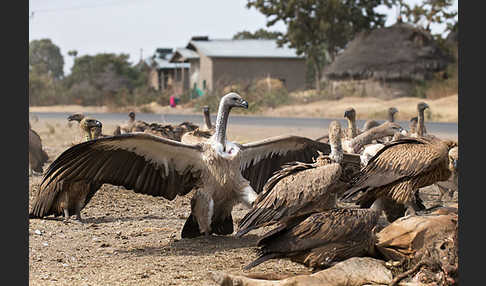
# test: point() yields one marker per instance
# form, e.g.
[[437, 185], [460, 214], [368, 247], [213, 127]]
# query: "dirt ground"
[[134, 239]]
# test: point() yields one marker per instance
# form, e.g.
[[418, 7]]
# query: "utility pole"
[[31, 17]]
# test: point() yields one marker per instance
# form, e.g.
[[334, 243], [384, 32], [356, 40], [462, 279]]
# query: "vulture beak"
[[454, 163], [346, 113], [71, 117], [243, 103]]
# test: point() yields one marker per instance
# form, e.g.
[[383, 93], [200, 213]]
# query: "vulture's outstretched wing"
[[400, 160], [142, 162], [320, 238], [303, 188], [260, 159]]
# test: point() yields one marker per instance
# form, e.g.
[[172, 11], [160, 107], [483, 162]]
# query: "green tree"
[[258, 34], [429, 12], [315, 26], [103, 77], [46, 58]]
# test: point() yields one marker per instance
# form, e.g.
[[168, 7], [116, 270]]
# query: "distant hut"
[[386, 62]]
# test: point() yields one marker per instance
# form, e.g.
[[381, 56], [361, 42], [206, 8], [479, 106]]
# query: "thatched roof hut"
[[397, 53]]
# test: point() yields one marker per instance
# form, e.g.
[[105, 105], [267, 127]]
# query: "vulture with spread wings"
[[221, 173]]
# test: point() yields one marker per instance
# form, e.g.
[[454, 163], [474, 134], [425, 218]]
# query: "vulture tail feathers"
[[261, 259]]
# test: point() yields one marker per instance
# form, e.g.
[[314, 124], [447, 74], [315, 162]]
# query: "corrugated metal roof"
[[165, 63], [187, 53], [243, 49]]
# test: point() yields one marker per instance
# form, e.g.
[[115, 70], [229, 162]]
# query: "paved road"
[[432, 127]]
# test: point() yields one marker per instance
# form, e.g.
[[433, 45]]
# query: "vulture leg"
[[199, 222], [66, 214]]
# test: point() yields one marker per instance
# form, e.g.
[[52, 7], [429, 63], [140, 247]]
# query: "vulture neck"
[[207, 120], [367, 137], [221, 122], [352, 130], [336, 149], [420, 123], [391, 117]]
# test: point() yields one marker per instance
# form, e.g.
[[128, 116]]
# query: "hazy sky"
[[127, 26]]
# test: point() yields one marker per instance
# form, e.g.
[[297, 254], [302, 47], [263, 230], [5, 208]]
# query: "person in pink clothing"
[[172, 101]]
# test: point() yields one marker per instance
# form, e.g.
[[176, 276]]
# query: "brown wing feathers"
[[120, 167]]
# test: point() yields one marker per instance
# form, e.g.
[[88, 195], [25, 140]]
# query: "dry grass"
[[444, 109], [441, 110]]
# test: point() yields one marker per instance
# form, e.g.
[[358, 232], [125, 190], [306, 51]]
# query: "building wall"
[[154, 79], [228, 70], [370, 87]]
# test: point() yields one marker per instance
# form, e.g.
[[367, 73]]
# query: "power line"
[[82, 7]]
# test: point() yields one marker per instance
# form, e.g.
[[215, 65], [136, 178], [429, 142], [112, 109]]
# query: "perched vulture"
[[391, 113], [131, 125], [421, 130], [356, 144], [85, 124], [400, 168], [412, 125], [352, 131], [301, 188], [37, 156], [200, 134], [322, 239], [450, 185], [370, 123], [67, 197], [221, 173]]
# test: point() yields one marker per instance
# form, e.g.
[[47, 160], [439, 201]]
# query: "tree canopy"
[[258, 34], [46, 58], [320, 28]]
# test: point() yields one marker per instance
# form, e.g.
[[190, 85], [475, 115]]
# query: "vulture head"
[[390, 128], [391, 113], [131, 114], [75, 117], [335, 141], [233, 99], [421, 106], [89, 123], [413, 124], [350, 114]]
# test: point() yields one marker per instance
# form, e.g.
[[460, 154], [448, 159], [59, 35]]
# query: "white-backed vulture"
[[131, 125], [421, 130], [200, 134], [400, 168], [300, 188], [67, 197], [370, 123], [450, 185], [220, 172], [85, 124], [352, 131], [322, 239], [412, 125], [356, 144], [37, 156], [391, 113]]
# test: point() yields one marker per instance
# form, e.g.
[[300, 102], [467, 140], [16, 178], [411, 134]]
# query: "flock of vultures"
[[385, 235]]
